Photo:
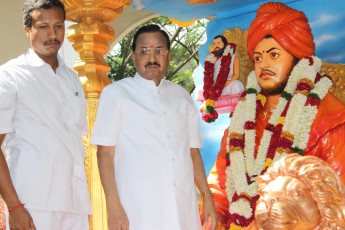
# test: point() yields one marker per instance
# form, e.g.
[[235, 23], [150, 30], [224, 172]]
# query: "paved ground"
[[2, 215]]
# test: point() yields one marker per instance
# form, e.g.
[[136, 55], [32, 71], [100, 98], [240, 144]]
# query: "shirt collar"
[[33, 59], [149, 84]]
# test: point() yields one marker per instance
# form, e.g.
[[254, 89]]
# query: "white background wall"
[[13, 40]]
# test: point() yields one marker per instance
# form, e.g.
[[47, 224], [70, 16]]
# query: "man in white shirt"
[[42, 119], [153, 127]]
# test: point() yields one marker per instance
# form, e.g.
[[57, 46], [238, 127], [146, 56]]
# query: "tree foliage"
[[185, 43]]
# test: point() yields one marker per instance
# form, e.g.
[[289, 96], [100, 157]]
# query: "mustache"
[[152, 64], [52, 41], [267, 70]]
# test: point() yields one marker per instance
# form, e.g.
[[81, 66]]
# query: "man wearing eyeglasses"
[[147, 134]]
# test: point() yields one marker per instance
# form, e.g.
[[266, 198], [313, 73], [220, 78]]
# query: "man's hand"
[[20, 219], [117, 218], [210, 213]]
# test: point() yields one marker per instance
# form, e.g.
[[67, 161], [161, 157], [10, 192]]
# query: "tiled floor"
[[2, 215]]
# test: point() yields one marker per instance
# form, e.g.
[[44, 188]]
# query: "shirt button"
[[168, 136], [174, 184], [173, 159], [165, 113]]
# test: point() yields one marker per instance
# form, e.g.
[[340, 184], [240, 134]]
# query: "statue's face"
[[273, 65], [218, 44], [287, 204]]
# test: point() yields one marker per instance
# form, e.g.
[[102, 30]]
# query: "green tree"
[[185, 43]]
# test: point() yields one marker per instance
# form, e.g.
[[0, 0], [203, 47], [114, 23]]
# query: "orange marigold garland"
[[212, 90]]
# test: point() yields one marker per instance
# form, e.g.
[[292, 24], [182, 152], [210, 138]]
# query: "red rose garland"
[[213, 91]]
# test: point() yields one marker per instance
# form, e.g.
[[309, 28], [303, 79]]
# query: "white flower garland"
[[298, 121], [241, 207], [213, 59]]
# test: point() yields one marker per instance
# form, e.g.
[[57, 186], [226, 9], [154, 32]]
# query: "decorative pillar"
[[90, 36]]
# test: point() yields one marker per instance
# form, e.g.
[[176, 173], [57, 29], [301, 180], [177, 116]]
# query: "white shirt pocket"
[[74, 113]]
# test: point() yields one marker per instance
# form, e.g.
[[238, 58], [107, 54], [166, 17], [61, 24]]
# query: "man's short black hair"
[[31, 5], [223, 39], [149, 29]]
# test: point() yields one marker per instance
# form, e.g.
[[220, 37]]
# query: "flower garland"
[[286, 131], [213, 91]]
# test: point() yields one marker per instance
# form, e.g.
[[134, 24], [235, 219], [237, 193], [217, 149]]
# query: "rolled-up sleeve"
[[7, 102]]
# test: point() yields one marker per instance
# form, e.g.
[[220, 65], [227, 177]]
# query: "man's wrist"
[[206, 193], [16, 207]]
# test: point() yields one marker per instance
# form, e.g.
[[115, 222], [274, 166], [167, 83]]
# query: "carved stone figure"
[[221, 84], [286, 108], [300, 192]]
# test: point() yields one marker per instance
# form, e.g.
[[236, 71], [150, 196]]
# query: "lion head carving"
[[300, 192]]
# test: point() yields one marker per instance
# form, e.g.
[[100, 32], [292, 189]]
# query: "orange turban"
[[289, 27]]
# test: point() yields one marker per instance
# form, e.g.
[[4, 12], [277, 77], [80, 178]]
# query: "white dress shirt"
[[43, 115], [152, 128]]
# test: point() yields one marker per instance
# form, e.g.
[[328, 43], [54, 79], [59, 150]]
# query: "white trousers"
[[45, 220]]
